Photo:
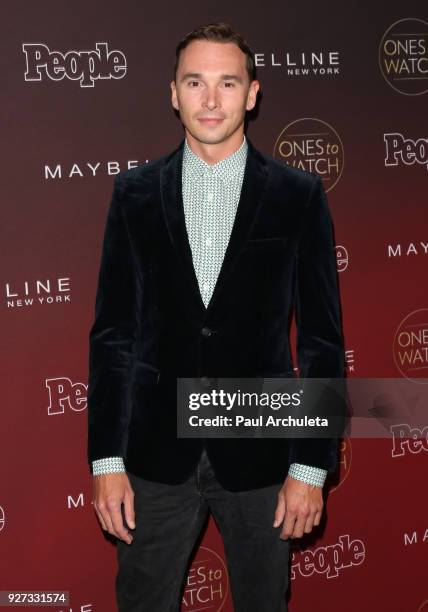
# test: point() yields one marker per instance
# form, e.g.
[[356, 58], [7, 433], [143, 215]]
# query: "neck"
[[213, 153]]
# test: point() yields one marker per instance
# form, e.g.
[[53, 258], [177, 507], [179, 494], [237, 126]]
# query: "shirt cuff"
[[307, 473], [108, 465]]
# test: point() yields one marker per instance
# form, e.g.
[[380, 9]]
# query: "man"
[[205, 252]]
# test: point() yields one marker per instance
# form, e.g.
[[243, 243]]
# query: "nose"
[[211, 98]]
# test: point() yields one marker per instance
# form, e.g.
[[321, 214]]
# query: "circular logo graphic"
[[403, 56], [2, 519], [342, 258], [410, 346], [423, 607], [207, 583], [313, 145], [345, 460]]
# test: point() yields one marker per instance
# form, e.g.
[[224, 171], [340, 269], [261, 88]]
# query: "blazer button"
[[205, 381], [206, 331]]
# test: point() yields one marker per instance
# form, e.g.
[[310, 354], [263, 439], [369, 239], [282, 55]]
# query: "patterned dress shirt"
[[211, 194]]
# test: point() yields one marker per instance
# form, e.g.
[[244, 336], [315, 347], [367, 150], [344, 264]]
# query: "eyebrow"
[[224, 77]]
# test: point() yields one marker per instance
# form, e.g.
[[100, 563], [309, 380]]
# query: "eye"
[[229, 84], [193, 82]]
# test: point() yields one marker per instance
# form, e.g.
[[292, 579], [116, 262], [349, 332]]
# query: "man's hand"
[[110, 491], [299, 506]]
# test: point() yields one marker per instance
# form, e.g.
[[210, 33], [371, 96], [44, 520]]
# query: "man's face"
[[212, 90]]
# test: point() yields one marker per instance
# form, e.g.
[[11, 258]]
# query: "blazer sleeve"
[[320, 344], [112, 337]]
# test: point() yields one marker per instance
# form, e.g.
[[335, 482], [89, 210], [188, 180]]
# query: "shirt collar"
[[225, 168]]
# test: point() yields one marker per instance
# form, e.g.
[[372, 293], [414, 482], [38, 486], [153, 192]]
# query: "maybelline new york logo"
[[406, 151], [45, 292], [406, 250], [87, 169], [301, 63], [85, 66]]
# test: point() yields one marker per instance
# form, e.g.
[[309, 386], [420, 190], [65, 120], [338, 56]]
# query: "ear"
[[174, 100], [252, 94]]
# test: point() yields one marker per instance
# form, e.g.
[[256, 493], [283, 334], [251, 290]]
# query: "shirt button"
[[208, 241], [205, 286], [210, 196]]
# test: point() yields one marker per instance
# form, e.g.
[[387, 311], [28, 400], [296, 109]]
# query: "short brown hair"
[[218, 32]]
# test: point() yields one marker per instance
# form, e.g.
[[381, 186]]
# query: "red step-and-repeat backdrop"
[[86, 95]]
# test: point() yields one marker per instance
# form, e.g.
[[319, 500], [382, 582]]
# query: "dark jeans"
[[169, 519]]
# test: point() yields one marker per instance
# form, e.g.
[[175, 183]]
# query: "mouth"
[[210, 120]]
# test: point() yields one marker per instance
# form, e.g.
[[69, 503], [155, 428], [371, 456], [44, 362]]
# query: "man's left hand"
[[299, 507]]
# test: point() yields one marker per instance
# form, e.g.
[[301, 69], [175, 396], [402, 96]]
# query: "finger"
[[309, 524], [119, 529], [128, 504], [101, 520], [97, 509], [280, 511], [104, 514], [317, 518], [299, 526], [288, 526]]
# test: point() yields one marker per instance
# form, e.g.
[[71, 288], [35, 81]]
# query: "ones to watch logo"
[[83, 66], [410, 346], [207, 583], [344, 464], [313, 145], [403, 56]]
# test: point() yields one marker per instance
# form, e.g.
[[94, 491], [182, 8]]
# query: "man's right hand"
[[110, 491]]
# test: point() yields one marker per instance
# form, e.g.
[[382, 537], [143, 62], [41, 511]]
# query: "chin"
[[210, 137], [214, 139]]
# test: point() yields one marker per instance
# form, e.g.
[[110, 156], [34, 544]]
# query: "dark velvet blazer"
[[150, 321]]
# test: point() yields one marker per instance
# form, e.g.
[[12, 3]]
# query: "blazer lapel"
[[251, 197], [173, 210]]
